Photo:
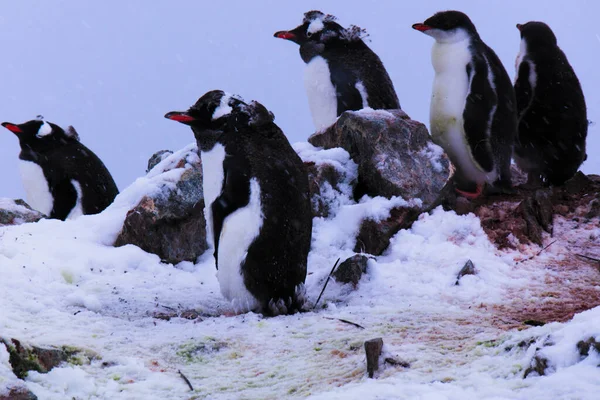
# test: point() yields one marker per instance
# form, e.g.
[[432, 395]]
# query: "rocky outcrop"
[[170, 223], [18, 393], [16, 212], [395, 154], [351, 269]]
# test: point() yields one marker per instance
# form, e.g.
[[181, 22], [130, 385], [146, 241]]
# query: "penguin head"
[[210, 116], [40, 135], [448, 27], [317, 31], [537, 34]]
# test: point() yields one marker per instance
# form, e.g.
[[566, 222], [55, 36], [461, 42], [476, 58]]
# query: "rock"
[[17, 212], [332, 176], [537, 212], [171, 223], [18, 393], [584, 346], [157, 157], [373, 349], [395, 155], [374, 236], [31, 358], [351, 270], [538, 365], [467, 269]]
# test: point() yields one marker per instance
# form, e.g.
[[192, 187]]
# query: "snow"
[[64, 284]]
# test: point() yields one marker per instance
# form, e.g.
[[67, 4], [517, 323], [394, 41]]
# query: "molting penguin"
[[473, 111], [552, 113], [260, 210], [342, 72], [62, 178]]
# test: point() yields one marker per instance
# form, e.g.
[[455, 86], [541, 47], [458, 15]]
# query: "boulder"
[[16, 212], [18, 393], [395, 155], [170, 223], [157, 157], [24, 358]]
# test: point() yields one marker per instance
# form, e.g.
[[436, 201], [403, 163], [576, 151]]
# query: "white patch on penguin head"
[[45, 129], [315, 26], [224, 108]]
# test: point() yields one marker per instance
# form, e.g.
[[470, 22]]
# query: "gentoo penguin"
[[62, 178], [260, 210], [473, 111], [342, 72], [553, 124]]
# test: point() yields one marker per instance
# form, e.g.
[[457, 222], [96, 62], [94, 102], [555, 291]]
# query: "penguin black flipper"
[[480, 102], [344, 82], [65, 199], [523, 89], [235, 195]]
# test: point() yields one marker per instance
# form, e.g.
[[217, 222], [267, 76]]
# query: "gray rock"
[[157, 158], [352, 269], [395, 155], [16, 212], [171, 223], [467, 269]]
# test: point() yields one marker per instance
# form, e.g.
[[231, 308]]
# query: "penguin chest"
[[450, 86], [36, 186], [239, 231], [77, 210], [212, 181], [322, 98]]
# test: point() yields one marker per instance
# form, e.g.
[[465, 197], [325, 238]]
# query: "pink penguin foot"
[[471, 195]]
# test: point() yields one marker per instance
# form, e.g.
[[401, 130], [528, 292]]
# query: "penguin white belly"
[[212, 181], [240, 228], [322, 98], [450, 89], [36, 187], [77, 211]]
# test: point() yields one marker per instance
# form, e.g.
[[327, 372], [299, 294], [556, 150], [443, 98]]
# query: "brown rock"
[[324, 185], [374, 236], [18, 393], [27, 358], [395, 155], [373, 349]]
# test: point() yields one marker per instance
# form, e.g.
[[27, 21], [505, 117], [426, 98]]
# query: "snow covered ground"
[[62, 283]]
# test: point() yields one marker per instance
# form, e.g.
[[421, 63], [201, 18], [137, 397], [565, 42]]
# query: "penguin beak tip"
[[421, 27]]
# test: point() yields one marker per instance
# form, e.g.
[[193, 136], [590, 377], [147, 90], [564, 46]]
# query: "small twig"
[[167, 307], [326, 282], [346, 322], [538, 253], [588, 258], [186, 380]]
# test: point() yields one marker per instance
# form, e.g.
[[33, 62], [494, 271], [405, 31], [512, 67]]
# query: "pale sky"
[[113, 68]]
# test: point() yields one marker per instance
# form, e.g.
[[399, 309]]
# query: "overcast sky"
[[113, 68]]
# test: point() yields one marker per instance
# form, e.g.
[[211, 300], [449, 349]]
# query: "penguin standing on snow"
[[62, 178], [552, 114], [342, 72], [256, 191], [473, 107]]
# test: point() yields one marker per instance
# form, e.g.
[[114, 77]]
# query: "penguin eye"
[[309, 34]]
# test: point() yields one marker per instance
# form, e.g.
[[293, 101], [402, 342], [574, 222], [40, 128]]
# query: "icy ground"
[[62, 283]]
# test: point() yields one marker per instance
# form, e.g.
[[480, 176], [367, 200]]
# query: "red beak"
[[12, 127], [285, 35], [179, 117], [421, 27]]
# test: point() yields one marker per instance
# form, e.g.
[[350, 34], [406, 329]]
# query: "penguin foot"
[[471, 195]]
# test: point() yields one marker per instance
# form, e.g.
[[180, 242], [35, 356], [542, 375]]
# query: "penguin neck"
[[451, 55]]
